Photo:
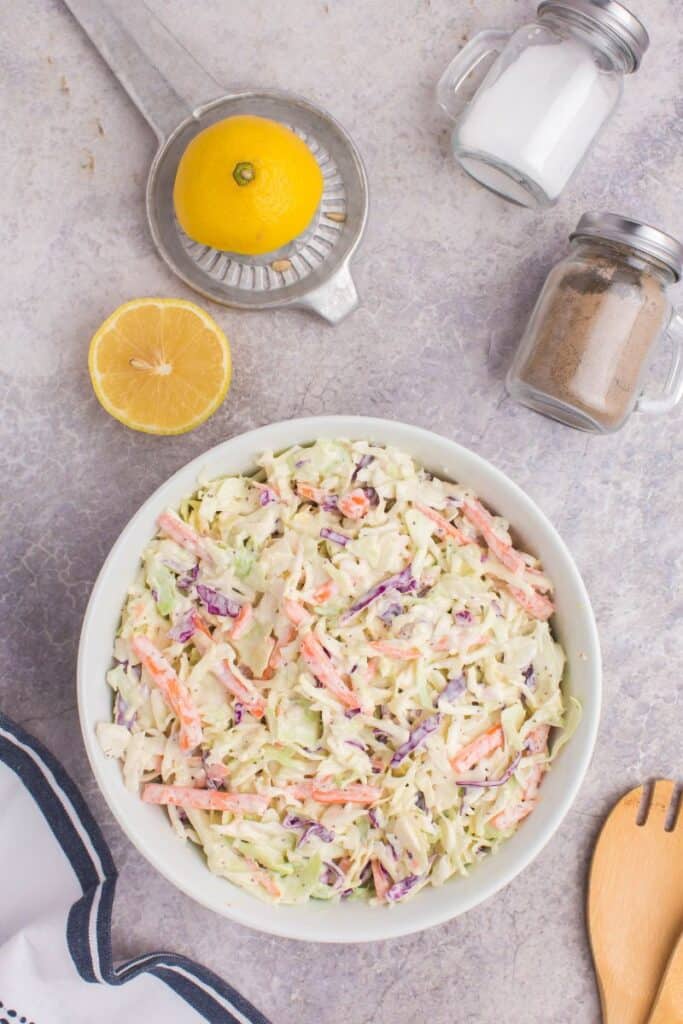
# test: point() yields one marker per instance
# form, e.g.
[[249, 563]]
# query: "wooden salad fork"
[[635, 902]]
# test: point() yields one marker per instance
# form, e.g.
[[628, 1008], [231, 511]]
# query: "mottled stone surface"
[[448, 274]]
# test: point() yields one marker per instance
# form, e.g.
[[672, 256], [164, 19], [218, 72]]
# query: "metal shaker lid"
[[641, 237], [609, 15]]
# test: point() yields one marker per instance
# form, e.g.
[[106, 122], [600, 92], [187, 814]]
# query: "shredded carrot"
[[243, 622], [355, 504], [502, 549], [356, 793], [324, 592], [478, 748], [204, 799], [261, 876], [175, 693], [537, 740], [396, 651], [536, 605], [443, 526], [183, 534], [254, 704], [379, 877], [311, 493], [294, 612], [275, 659], [315, 656], [510, 816]]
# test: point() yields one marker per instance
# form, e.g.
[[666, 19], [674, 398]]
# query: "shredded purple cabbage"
[[217, 603], [356, 743], [267, 497], [403, 581], [380, 736], [451, 498], [463, 618], [372, 496], [365, 874], [300, 462], [184, 627], [374, 818], [390, 612], [174, 565], [530, 677], [416, 737], [420, 801], [402, 888], [491, 783], [352, 712], [238, 712], [186, 581], [334, 536], [310, 828], [329, 503], [123, 714], [392, 848], [332, 875], [364, 461], [453, 689]]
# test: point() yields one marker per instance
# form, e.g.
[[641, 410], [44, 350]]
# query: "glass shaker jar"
[[593, 331], [545, 98]]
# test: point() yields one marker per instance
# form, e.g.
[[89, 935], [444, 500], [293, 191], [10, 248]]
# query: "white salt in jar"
[[544, 99]]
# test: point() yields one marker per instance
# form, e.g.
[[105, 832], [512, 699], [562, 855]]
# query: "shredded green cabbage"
[[374, 671]]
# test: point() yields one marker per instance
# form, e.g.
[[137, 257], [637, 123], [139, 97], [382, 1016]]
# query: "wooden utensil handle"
[[668, 1006]]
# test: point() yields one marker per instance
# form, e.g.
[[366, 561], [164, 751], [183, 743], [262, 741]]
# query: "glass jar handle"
[[448, 91], [673, 389]]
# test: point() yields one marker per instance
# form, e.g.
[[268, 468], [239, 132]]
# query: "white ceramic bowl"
[[183, 864]]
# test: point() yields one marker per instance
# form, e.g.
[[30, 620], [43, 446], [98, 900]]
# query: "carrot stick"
[[396, 651], [324, 592], [379, 877], [536, 605], [443, 526], [478, 748], [355, 504], [356, 793], [183, 534], [244, 619], [176, 695], [294, 612], [504, 552], [204, 799], [315, 656]]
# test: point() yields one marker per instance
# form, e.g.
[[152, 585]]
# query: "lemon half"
[[161, 366]]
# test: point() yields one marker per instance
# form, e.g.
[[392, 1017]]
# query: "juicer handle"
[[163, 80], [335, 298], [673, 389], [449, 94]]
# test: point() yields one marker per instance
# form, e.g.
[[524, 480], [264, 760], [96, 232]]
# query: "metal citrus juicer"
[[173, 92]]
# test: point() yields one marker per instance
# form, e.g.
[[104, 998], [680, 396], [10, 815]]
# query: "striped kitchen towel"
[[56, 897]]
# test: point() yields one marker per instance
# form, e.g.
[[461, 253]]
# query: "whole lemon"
[[246, 184]]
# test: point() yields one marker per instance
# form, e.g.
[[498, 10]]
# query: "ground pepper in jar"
[[587, 346]]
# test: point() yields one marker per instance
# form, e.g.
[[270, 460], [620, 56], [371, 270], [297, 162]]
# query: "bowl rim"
[[356, 427]]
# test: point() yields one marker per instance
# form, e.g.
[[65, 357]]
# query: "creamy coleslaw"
[[338, 676]]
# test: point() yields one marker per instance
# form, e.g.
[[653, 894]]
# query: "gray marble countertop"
[[448, 274]]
